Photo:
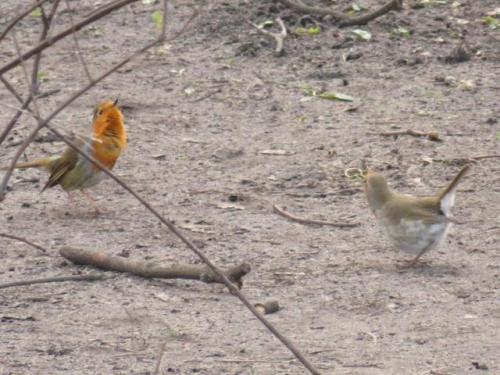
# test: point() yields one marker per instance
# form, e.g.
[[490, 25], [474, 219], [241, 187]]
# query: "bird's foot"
[[413, 263], [99, 209]]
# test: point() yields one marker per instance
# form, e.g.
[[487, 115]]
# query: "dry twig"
[[21, 239], [461, 161], [283, 212], [432, 136], [33, 87], [54, 280], [344, 19], [151, 270], [20, 16], [278, 37], [55, 38]]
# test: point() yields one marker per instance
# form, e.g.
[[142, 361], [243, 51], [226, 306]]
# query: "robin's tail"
[[44, 163]]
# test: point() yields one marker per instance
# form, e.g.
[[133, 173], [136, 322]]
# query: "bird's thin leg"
[[415, 261], [93, 202], [70, 198]]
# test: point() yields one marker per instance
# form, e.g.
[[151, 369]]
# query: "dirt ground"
[[200, 111]]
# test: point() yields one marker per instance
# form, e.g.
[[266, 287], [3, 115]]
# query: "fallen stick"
[[283, 212], [433, 136], [54, 280], [462, 161], [150, 270], [345, 20], [278, 37], [21, 239]]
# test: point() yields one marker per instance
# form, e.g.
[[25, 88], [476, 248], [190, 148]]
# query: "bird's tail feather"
[[453, 184], [44, 163]]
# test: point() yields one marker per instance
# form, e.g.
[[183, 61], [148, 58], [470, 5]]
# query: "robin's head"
[[108, 120]]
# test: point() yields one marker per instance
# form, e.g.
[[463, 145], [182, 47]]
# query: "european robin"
[[71, 170], [413, 224]]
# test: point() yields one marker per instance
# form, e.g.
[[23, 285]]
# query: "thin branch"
[[20, 17], [77, 44], [54, 280], [21, 239], [344, 19], [150, 270], [13, 121], [303, 8], [50, 41], [481, 157], [160, 357], [33, 87], [11, 89], [432, 136], [278, 37], [283, 212], [464, 160], [364, 19]]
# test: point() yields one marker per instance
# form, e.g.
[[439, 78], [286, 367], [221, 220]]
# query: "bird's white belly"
[[412, 236]]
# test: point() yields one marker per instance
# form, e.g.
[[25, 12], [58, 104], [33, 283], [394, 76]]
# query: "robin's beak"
[[115, 102]]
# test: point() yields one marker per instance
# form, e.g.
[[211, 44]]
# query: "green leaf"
[[157, 17], [433, 2], [400, 32], [266, 23], [95, 31], [362, 35], [335, 96], [327, 95], [42, 76], [315, 30], [37, 13], [355, 7], [492, 22]]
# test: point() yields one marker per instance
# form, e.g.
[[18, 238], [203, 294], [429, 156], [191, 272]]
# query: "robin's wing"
[[62, 165]]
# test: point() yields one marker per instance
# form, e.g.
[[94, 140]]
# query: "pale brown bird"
[[413, 224]]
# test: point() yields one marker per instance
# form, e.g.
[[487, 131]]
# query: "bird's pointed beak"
[[115, 102]]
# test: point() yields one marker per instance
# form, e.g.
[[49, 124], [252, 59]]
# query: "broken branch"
[[432, 136], [283, 212], [344, 19], [54, 280], [151, 270], [21, 239], [278, 37]]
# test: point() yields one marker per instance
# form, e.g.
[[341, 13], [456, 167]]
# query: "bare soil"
[[200, 110]]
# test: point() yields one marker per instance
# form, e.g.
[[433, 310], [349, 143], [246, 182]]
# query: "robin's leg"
[[415, 261], [97, 208]]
